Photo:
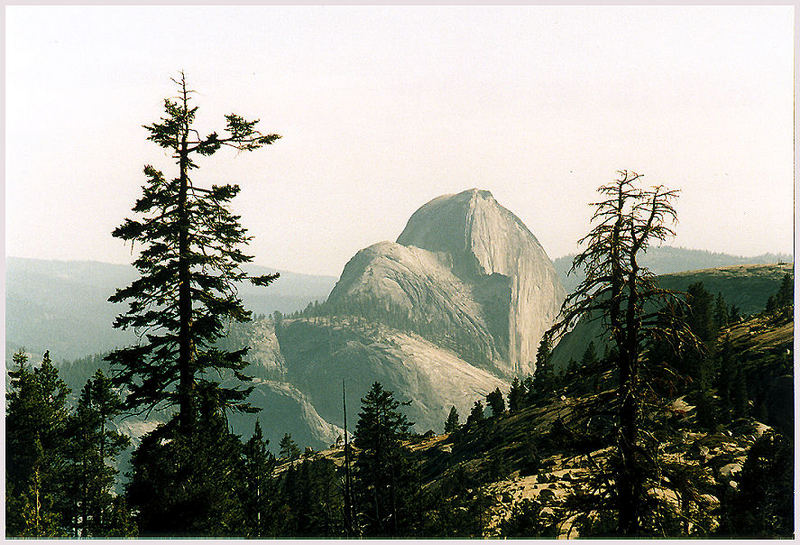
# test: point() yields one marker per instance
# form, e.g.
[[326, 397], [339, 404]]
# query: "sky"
[[383, 108]]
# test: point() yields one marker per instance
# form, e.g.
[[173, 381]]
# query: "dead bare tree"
[[629, 301]]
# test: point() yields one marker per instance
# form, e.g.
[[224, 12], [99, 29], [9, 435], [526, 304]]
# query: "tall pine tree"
[[189, 264], [619, 290], [190, 485], [260, 487], [383, 476], [494, 400], [36, 418], [451, 424], [93, 443], [544, 375]]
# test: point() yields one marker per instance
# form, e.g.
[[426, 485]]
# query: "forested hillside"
[[743, 290], [521, 465], [669, 259], [531, 466]]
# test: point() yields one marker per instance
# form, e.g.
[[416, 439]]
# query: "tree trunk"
[[184, 285], [85, 499], [98, 514], [38, 503], [631, 480], [628, 482], [348, 501]]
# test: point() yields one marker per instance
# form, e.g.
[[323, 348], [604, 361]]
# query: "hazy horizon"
[[383, 108], [336, 275]]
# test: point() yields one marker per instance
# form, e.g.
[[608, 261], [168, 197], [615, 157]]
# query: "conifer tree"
[[783, 300], [733, 314], [516, 396], [701, 312], [739, 398], [543, 375], [36, 417], [724, 382], [189, 485], [451, 424], [476, 414], [383, 476], [107, 403], [120, 523], [259, 489], [312, 502], [494, 400], [589, 358], [189, 264], [92, 444], [721, 315], [618, 290], [785, 295], [529, 389], [762, 507], [288, 448]]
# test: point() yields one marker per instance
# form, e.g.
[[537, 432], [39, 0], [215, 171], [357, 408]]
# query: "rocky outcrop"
[[414, 289], [286, 409], [322, 354], [471, 269], [445, 315]]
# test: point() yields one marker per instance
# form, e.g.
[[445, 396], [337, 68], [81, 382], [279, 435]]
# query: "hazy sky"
[[384, 108]]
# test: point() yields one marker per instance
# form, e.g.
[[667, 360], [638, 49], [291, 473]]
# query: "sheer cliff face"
[[464, 269], [445, 315]]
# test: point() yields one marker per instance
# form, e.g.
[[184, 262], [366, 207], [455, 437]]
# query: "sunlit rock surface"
[[452, 310], [470, 266]]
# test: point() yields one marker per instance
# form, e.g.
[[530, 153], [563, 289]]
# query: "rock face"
[[465, 269], [321, 354], [445, 315]]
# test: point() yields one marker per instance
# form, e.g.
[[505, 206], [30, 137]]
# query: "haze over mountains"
[[450, 311], [62, 306], [669, 259]]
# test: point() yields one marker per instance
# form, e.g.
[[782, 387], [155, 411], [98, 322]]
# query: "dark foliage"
[[544, 379], [454, 508], [259, 489], [451, 424], [516, 396], [288, 448], [189, 263], [384, 476], [494, 400], [309, 501], [476, 415], [93, 443], [189, 484], [762, 507], [60, 463], [527, 520], [36, 419]]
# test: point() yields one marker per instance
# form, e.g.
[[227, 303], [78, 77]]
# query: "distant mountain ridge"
[[466, 267], [450, 311], [746, 286], [672, 259], [446, 314], [62, 306], [441, 316]]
